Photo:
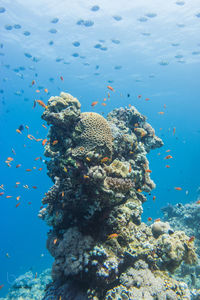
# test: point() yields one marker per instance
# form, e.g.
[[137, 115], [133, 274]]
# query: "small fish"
[[168, 157], [2, 187], [44, 142], [63, 193], [17, 183], [38, 158], [1, 286], [41, 103], [130, 168], [108, 95], [61, 78], [112, 236], [178, 188], [40, 169], [167, 166], [139, 96], [29, 202], [28, 170], [139, 190], [17, 130], [65, 169], [110, 88], [161, 112], [157, 220], [149, 219], [1, 193], [164, 106], [54, 142], [26, 186], [35, 275], [34, 103], [18, 166], [34, 187], [86, 176], [44, 126], [154, 198], [8, 196], [198, 202], [17, 198], [55, 241], [46, 90], [17, 204], [94, 103], [13, 151], [147, 99], [104, 99], [174, 130], [88, 159], [21, 127], [37, 91], [148, 171], [7, 255], [10, 158], [105, 159], [33, 82], [191, 239], [104, 104], [168, 150]]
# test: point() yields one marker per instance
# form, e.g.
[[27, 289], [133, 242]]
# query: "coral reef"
[[101, 248], [187, 217], [29, 286]]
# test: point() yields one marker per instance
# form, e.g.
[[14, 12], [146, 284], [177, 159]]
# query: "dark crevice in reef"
[[99, 168]]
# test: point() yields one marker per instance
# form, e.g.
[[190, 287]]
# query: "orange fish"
[[34, 187], [130, 168], [17, 166], [112, 236], [147, 99], [17, 183], [1, 193], [94, 103], [41, 103], [154, 198], [139, 96], [168, 157], [61, 78], [174, 130], [63, 193], [168, 150], [37, 91], [161, 112], [178, 188], [104, 104], [33, 82], [8, 196], [164, 105], [110, 88], [167, 166], [191, 239], [105, 159], [148, 171], [86, 176], [28, 170], [46, 91], [10, 158], [139, 190], [149, 219], [31, 137], [1, 286], [55, 241], [54, 142], [157, 220], [34, 168], [104, 99], [44, 142], [17, 130], [40, 169], [17, 198], [17, 204], [44, 126], [29, 202], [37, 158], [198, 202]]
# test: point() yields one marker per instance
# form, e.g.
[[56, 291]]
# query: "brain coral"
[[92, 133]]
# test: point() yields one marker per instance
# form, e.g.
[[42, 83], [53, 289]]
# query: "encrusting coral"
[[99, 169]]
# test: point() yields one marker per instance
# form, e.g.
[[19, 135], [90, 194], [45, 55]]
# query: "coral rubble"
[[99, 169]]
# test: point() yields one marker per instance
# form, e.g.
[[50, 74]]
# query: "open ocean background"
[[145, 47]]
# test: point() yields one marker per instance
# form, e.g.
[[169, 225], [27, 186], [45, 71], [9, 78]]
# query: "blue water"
[[150, 49]]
